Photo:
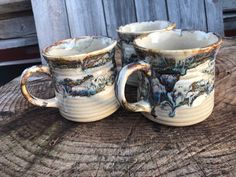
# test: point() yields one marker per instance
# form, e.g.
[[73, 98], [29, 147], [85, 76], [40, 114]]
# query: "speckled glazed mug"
[[83, 71], [177, 79], [129, 32]]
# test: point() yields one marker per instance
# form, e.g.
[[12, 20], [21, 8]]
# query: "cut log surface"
[[39, 142]]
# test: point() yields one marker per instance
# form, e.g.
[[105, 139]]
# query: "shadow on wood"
[[39, 142]]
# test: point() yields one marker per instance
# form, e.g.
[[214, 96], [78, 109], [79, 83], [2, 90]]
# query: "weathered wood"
[[188, 14], [86, 17], [19, 25], [18, 42], [229, 15], [9, 6], [214, 14], [51, 21], [39, 142], [230, 23], [229, 5], [117, 13], [149, 10], [102, 17], [20, 62]]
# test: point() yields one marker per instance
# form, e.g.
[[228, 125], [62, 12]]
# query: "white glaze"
[[177, 40], [83, 73], [144, 27]]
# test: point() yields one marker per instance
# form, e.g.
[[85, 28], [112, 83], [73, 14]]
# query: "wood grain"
[[214, 14], [117, 13], [188, 14], [61, 19], [51, 21], [150, 10], [18, 42], [86, 17], [19, 25], [9, 6], [39, 142], [229, 5]]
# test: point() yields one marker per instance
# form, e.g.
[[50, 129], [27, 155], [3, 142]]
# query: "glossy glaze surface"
[[177, 85], [129, 32], [83, 71]]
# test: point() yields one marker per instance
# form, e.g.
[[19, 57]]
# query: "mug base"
[[179, 123], [185, 116], [89, 109], [92, 118]]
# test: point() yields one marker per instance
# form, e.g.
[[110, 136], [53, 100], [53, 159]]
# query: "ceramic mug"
[[129, 32], [177, 81], [83, 71]]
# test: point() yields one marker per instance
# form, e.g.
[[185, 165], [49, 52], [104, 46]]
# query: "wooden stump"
[[39, 142]]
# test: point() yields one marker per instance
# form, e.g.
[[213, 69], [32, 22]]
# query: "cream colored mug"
[[83, 71], [129, 32], [176, 86]]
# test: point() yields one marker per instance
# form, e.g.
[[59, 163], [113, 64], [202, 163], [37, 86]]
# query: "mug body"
[[177, 80], [83, 72], [129, 32], [181, 85]]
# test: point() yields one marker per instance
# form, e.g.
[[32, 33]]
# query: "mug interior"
[[177, 40], [78, 46], [145, 27]]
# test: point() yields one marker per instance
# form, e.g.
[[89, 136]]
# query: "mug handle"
[[52, 102], [142, 105]]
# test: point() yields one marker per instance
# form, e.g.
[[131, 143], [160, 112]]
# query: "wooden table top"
[[37, 141]]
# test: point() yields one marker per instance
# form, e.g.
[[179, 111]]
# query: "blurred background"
[[28, 26]]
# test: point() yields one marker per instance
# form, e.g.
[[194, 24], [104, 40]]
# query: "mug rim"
[[76, 57], [192, 50], [171, 25]]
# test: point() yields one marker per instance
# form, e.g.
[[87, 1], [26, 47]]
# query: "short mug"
[[129, 32], [176, 87], [83, 71]]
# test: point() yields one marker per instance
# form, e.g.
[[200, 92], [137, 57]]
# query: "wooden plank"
[[187, 14], [18, 42], [2, 2], [19, 53], [117, 13], [214, 14], [149, 10], [86, 17], [20, 62], [17, 26], [230, 24], [9, 6], [229, 15], [16, 14], [51, 21], [228, 4]]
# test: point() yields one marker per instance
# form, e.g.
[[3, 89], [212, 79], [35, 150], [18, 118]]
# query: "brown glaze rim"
[[193, 50], [78, 57], [169, 27]]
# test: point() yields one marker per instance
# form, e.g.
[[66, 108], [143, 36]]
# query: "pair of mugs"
[[175, 68]]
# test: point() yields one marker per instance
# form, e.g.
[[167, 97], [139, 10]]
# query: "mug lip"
[[193, 50], [76, 57], [171, 25]]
